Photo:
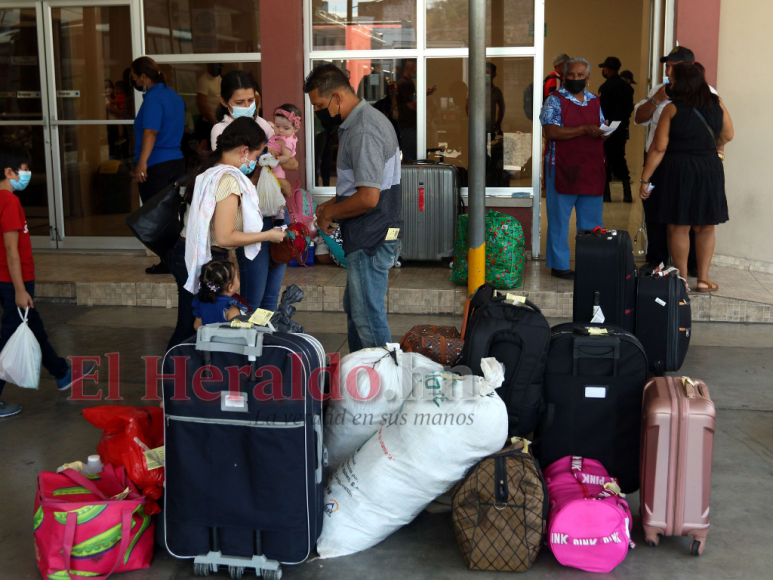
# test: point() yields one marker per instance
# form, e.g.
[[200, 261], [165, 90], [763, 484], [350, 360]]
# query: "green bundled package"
[[505, 251]]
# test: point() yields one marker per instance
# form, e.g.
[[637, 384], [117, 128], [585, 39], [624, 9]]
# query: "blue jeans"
[[11, 320], [185, 319], [261, 283], [366, 285], [588, 211]]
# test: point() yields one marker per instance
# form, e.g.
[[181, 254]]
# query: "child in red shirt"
[[17, 270]]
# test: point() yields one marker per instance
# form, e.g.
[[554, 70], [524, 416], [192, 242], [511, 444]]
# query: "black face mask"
[[669, 92], [575, 86], [329, 121]]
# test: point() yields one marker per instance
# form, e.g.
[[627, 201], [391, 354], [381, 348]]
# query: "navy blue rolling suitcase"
[[243, 464]]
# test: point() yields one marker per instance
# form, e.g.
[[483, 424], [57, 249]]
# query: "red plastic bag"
[[121, 425]]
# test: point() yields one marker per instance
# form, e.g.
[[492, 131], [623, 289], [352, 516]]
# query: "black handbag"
[[158, 223]]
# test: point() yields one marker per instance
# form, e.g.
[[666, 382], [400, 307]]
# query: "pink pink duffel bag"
[[90, 526], [589, 522]]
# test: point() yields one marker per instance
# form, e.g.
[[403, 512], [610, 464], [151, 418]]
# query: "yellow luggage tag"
[[612, 487], [235, 323], [526, 443], [154, 458], [597, 331], [514, 298], [262, 318], [392, 234]]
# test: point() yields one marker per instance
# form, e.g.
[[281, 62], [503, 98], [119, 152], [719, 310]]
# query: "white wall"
[[743, 83]]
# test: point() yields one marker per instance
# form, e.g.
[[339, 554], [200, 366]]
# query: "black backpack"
[[518, 336]]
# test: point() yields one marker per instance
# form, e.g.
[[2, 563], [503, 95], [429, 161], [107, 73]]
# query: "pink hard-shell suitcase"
[[677, 444]]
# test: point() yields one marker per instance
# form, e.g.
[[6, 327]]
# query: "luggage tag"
[[235, 323], [514, 298], [262, 318], [154, 458], [392, 234], [597, 331]]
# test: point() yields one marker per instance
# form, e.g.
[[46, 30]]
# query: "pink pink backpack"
[[589, 524], [302, 208]]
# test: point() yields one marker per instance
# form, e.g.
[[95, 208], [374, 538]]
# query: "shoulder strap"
[[706, 123]]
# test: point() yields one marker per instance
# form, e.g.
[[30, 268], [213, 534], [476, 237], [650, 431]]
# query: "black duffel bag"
[[158, 223]]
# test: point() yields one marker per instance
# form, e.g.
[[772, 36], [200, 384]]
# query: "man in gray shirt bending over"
[[367, 204]]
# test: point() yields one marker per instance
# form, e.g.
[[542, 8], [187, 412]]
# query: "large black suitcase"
[[518, 336], [663, 321], [604, 265], [594, 383], [244, 453]]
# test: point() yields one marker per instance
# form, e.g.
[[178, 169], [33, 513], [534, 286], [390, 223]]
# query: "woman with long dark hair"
[[683, 180], [158, 130], [239, 98], [223, 215]]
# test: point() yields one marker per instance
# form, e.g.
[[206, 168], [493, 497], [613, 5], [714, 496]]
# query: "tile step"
[[554, 304]]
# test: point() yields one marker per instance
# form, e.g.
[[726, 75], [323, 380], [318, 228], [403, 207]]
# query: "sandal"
[[710, 286]]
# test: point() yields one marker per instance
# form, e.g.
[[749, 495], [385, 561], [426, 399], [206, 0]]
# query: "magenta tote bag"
[[90, 526]]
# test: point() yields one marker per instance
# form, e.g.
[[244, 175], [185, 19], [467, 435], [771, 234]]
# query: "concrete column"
[[281, 80], [697, 28]]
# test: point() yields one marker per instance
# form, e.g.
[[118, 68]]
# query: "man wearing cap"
[[647, 112], [574, 165], [554, 80], [617, 103], [628, 77]]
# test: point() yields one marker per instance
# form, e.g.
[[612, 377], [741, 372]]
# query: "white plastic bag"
[[270, 198], [373, 383], [448, 424], [20, 359]]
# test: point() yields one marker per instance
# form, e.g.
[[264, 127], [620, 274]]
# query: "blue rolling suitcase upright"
[[243, 464]]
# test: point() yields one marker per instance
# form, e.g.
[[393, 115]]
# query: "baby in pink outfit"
[[287, 122]]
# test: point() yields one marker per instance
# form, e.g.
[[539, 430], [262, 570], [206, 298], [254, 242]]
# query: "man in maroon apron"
[[575, 166]]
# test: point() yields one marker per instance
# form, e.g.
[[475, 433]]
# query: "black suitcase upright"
[[518, 336], [594, 384], [663, 320], [244, 457], [604, 264]]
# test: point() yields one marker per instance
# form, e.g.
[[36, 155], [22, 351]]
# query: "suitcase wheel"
[[398, 263], [271, 574], [696, 548], [651, 544], [201, 569], [236, 571]]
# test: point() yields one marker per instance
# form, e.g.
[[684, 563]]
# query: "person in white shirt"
[[647, 113]]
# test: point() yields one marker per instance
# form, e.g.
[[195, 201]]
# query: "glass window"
[[363, 24], [92, 54], [201, 26], [376, 81], [508, 118], [508, 23], [20, 96], [98, 185], [191, 79], [34, 199]]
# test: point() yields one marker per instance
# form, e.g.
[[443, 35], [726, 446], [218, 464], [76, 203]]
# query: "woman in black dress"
[[683, 181]]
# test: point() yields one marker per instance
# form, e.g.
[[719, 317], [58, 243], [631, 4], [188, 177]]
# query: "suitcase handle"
[[426, 162], [223, 338], [691, 386], [578, 352]]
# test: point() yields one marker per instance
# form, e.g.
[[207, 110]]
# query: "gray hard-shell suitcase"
[[244, 460], [431, 198]]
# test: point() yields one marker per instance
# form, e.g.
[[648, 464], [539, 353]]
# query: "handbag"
[[90, 527], [158, 223], [295, 246]]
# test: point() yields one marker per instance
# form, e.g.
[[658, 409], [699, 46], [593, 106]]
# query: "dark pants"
[[185, 319], [657, 242], [614, 147], [11, 320], [159, 176], [260, 282], [408, 144]]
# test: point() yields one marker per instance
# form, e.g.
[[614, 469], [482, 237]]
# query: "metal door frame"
[[63, 241]]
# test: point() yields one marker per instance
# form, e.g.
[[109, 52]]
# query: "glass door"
[[24, 110], [89, 48]]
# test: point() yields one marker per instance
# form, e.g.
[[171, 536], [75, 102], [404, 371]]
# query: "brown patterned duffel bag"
[[442, 344], [500, 509]]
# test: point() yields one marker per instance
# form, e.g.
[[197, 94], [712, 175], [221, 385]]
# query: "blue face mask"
[[22, 182], [244, 111], [247, 169]]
